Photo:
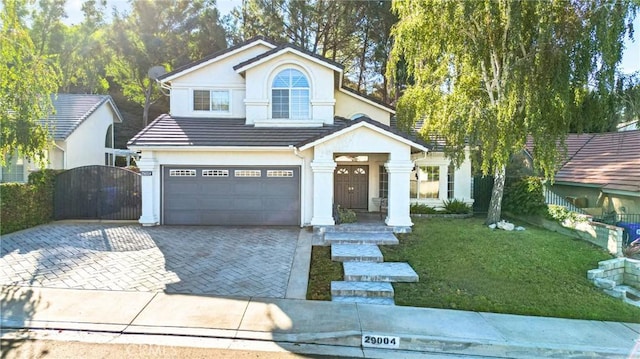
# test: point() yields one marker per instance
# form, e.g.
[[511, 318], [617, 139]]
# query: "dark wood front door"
[[351, 186]]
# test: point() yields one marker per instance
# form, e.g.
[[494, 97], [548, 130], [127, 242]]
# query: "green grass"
[[321, 273], [464, 265]]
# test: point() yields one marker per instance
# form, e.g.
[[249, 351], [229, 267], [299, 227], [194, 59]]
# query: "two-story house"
[[267, 134]]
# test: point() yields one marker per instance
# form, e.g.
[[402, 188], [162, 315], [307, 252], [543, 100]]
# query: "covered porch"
[[356, 168]]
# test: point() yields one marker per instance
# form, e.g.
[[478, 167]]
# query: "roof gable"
[[284, 49], [216, 56], [71, 110], [370, 124]]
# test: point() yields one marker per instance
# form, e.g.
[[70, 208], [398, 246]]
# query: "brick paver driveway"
[[226, 261]]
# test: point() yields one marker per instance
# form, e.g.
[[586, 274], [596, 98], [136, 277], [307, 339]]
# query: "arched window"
[[290, 95], [108, 139]]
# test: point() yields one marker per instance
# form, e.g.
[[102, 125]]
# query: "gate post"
[[149, 173]]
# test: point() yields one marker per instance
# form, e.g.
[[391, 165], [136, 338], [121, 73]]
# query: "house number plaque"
[[146, 173], [380, 341]]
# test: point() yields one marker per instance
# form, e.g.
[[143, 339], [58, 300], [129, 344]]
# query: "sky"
[[630, 59]]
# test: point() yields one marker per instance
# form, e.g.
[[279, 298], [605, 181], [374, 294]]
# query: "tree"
[[79, 49], [353, 33], [490, 73], [168, 34], [27, 81], [629, 97]]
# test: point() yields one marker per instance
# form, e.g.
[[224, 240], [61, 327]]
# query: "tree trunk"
[[147, 104], [495, 205]]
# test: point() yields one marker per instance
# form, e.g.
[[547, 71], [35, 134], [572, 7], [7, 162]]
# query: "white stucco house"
[[82, 134], [267, 134]]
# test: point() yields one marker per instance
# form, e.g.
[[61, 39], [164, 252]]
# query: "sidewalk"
[[312, 322]]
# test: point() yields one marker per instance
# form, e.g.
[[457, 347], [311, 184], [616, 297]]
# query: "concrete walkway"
[[296, 323]]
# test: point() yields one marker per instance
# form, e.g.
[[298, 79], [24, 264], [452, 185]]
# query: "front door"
[[351, 185]]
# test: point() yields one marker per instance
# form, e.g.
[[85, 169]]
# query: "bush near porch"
[[25, 205], [464, 265]]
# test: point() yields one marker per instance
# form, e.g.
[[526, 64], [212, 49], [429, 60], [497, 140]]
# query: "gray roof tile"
[[217, 132], [70, 111]]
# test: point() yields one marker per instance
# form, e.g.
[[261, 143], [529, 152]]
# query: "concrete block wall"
[[632, 273], [615, 272]]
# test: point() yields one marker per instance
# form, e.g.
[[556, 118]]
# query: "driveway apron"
[[225, 261]]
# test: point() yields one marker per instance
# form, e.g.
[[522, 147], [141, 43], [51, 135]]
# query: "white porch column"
[[148, 173], [323, 192], [398, 210]]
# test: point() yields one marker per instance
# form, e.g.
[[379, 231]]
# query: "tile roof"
[[574, 142], [214, 55], [70, 111], [217, 132], [610, 160], [283, 47]]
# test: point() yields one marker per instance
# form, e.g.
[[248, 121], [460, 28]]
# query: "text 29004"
[[380, 341]]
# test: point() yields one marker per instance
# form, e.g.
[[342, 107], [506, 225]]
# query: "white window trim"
[[284, 122], [442, 181], [210, 112]]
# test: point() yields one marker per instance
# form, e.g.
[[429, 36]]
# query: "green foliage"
[[563, 215], [27, 80], [356, 33], [463, 266], [159, 34], [455, 206], [533, 272], [524, 196], [421, 208], [491, 73], [323, 270], [24, 205], [346, 215]]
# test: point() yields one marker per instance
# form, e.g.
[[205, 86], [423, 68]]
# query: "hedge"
[[24, 205]]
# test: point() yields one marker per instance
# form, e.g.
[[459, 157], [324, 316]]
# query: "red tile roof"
[[609, 160]]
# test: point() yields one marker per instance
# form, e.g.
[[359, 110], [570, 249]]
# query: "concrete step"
[[359, 227], [361, 289], [355, 253], [364, 300], [383, 238], [379, 272]]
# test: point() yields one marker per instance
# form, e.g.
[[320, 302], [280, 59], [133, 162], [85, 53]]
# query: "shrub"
[[24, 205], [420, 208], [455, 206], [563, 215], [524, 196], [346, 215]]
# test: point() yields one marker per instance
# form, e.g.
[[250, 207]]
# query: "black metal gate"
[[482, 187], [97, 192]]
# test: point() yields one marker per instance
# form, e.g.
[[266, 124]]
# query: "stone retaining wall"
[[619, 277], [602, 235]]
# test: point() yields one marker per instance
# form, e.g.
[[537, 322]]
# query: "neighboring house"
[[82, 133], [601, 172], [266, 134]]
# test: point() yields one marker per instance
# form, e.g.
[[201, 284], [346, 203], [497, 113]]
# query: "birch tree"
[[27, 81], [487, 74]]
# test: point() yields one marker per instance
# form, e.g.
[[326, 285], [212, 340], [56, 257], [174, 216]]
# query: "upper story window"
[[211, 100], [290, 95]]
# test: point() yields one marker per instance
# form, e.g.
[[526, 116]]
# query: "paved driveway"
[[226, 261]]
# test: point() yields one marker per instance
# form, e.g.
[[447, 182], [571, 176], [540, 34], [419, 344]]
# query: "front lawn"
[[464, 265]]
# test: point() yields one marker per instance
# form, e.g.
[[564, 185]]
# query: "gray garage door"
[[231, 195]]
